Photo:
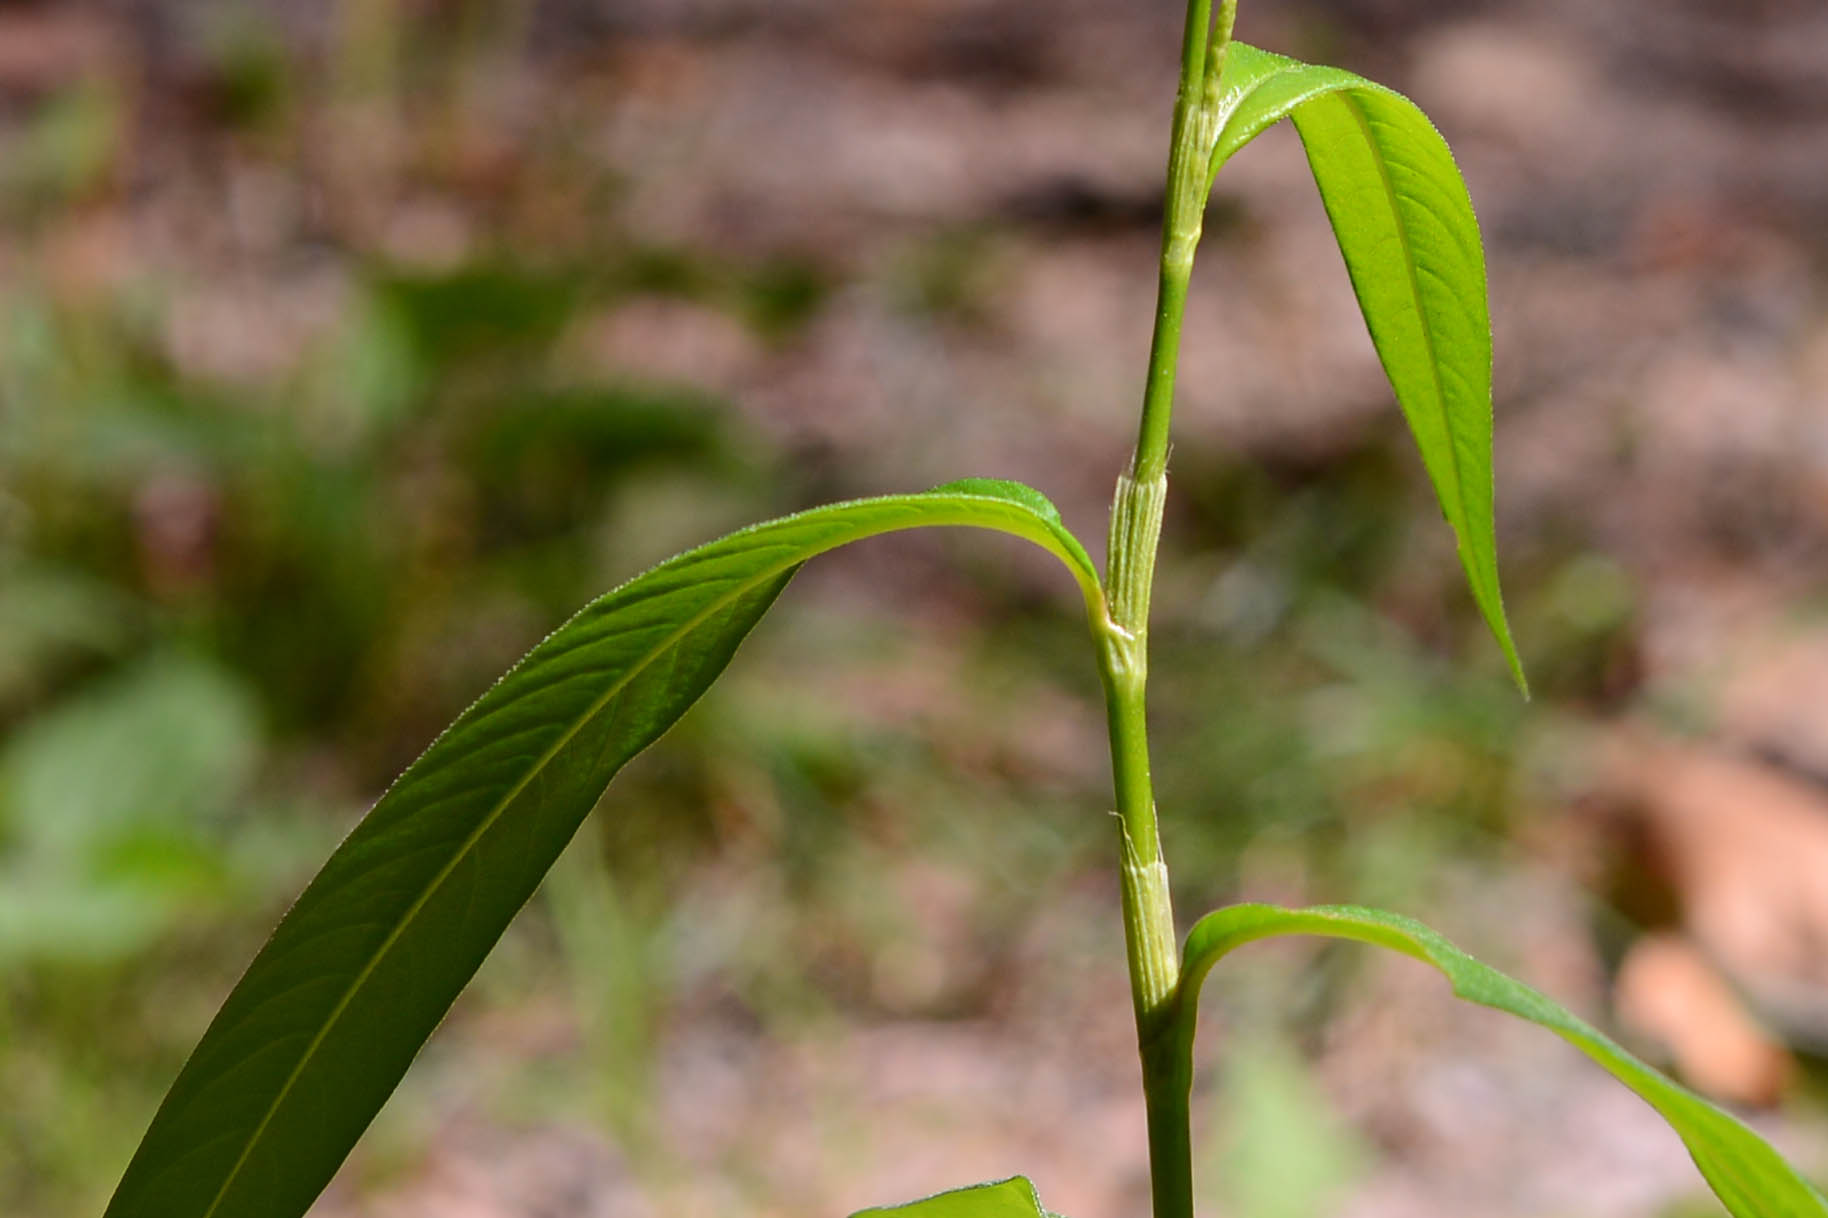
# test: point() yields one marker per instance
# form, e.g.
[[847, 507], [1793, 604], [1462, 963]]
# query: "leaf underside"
[[1011, 1198], [327, 1018], [1748, 1176], [1405, 226]]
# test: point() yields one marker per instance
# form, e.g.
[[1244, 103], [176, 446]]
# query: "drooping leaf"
[[327, 1018], [1406, 229], [1011, 1198], [1752, 1179]]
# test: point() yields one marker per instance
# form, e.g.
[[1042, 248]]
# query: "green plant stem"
[[1136, 522], [1189, 183], [1148, 912]]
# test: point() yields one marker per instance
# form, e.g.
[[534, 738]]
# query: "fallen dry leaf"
[[1743, 845], [1669, 992]]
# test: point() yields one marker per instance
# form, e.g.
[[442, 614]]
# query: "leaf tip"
[[1512, 660], [1501, 630]]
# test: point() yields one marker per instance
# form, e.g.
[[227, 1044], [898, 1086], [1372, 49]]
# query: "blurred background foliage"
[[346, 349]]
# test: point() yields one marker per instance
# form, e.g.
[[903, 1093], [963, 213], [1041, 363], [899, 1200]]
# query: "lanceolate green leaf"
[[328, 1017], [1011, 1198], [1406, 228], [1745, 1173]]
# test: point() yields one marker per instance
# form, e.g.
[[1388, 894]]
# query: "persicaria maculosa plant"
[[330, 1014]]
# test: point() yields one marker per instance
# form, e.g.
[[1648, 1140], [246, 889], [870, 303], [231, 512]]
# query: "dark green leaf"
[[1011, 1198], [1745, 1173], [333, 1009], [1406, 228]]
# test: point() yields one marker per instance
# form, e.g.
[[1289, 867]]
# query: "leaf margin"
[[920, 1205]]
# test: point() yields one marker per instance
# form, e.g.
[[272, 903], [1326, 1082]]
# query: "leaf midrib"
[[1464, 525], [469, 843]]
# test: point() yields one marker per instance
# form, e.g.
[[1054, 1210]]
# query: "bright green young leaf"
[[1745, 1173], [1011, 1198], [330, 1014], [1405, 225]]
